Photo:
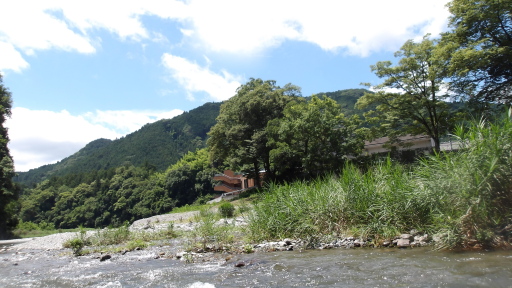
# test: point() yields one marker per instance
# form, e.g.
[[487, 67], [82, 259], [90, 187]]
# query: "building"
[[231, 184], [414, 142]]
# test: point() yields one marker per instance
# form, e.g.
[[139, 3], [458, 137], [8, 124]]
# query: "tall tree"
[[313, 138], [481, 42], [417, 106], [239, 138], [8, 193]]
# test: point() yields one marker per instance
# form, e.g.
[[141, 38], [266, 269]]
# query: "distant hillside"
[[159, 144], [347, 99]]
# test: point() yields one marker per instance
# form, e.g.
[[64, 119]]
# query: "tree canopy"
[[312, 138], [8, 193], [239, 137], [411, 98], [480, 45]]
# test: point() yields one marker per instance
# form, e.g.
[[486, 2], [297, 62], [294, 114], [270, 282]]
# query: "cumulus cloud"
[[10, 59], [200, 79], [41, 137], [359, 27], [230, 26]]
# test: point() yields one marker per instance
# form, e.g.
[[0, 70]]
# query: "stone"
[[288, 241], [105, 257], [403, 243], [386, 243], [240, 264], [407, 236]]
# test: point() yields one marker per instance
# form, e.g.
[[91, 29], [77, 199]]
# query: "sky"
[[84, 70]]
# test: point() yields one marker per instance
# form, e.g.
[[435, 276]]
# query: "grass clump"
[[227, 210], [209, 234], [464, 197]]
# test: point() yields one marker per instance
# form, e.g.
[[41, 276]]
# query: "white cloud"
[[128, 121], [231, 26], [199, 79], [361, 27], [10, 59], [41, 137]]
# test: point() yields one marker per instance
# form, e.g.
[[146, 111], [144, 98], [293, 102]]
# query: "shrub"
[[227, 210]]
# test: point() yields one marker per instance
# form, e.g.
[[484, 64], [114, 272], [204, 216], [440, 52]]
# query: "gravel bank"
[[55, 241]]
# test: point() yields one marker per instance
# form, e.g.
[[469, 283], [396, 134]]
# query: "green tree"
[[313, 138], [417, 106], [8, 192], [481, 43], [239, 138]]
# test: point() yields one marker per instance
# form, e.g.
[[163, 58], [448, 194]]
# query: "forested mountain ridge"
[[347, 98], [157, 144]]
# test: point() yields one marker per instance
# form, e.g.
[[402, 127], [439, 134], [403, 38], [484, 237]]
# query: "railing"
[[226, 176], [237, 192], [227, 186]]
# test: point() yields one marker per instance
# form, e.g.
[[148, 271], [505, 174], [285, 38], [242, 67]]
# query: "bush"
[[227, 210]]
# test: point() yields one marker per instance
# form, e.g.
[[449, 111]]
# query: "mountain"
[[158, 144], [347, 99]]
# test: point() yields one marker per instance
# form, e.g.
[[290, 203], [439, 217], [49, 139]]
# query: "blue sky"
[[83, 70]]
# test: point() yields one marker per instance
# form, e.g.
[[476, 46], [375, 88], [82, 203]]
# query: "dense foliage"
[[158, 144], [312, 138], [239, 137], [418, 106], [126, 193], [480, 49], [8, 193]]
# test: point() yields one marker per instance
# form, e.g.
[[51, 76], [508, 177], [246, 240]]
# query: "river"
[[417, 267]]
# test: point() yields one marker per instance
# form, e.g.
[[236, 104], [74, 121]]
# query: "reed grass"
[[464, 197]]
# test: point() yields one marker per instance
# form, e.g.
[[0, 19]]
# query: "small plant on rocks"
[[227, 210]]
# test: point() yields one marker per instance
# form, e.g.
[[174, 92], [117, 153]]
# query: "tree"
[[8, 193], [239, 137], [481, 47], [417, 106], [312, 138]]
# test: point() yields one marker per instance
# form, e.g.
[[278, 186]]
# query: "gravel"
[[154, 223]]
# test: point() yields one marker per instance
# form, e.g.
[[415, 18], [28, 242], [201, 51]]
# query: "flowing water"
[[313, 268]]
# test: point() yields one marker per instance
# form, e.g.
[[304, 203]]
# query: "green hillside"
[[158, 144]]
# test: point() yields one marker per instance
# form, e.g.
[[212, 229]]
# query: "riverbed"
[[363, 267]]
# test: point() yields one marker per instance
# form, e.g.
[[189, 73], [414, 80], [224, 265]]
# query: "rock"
[[105, 257], [403, 243], [414, 232], [386, 243], [407, 236], [288, 241], [240, 264], [359, 243]]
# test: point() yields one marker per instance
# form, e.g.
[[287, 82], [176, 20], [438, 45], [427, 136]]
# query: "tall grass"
[[466, 197], [472, 189]]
